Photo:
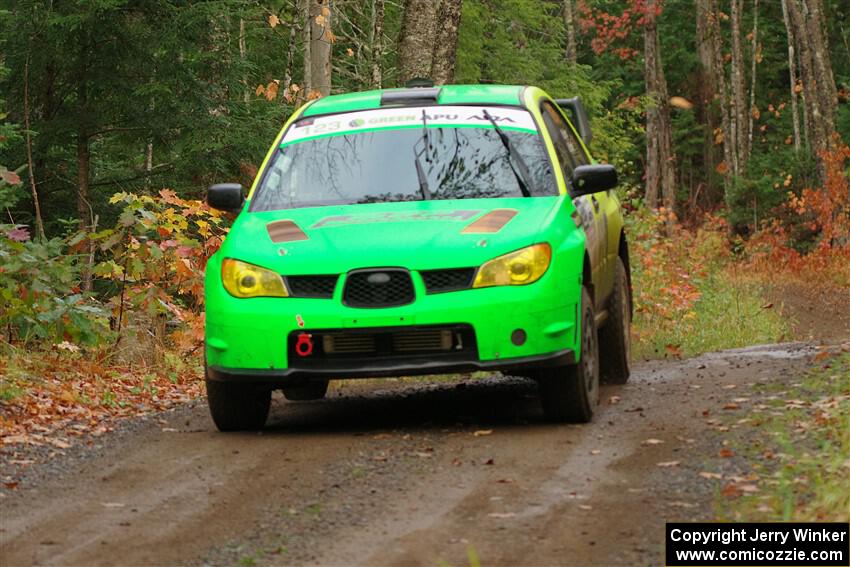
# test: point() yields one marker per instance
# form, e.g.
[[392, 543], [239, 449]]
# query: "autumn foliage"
[[819, 218]]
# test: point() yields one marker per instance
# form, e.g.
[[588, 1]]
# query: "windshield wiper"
[[420, 172], [513, 155]]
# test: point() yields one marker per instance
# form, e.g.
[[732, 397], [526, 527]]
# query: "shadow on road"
[[492, 401]]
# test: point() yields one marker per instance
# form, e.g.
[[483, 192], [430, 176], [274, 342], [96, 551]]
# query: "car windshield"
[[406, 154]]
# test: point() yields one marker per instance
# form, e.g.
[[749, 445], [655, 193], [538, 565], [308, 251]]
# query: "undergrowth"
[[798, 448], [688, 297]]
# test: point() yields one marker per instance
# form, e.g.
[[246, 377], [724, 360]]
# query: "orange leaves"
[[78, 394], [273, 20], [824, 211], [271, 91], [669, 262]]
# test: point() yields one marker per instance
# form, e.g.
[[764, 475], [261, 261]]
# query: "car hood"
[[416, 235]]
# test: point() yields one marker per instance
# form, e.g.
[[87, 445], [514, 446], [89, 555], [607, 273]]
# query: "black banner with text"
[[813, 544]]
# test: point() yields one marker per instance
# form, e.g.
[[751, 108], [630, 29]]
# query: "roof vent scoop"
[[416, 96], [419, 82]]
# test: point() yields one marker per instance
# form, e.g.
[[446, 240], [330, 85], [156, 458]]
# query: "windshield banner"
[[409, 117]]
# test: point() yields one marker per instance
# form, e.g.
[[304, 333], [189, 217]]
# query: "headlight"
[[242, 280], [522, 267]]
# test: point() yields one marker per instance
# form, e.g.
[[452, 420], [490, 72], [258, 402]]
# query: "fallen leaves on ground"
[[65, 395]]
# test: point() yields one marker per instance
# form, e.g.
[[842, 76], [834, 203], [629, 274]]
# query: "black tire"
[[306, 392], [614, 336], [238, 407], [571, 393]]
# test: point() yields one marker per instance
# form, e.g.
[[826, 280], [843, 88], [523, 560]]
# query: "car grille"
[[378, 288], [383, 343], [312, 286], [438, 281]]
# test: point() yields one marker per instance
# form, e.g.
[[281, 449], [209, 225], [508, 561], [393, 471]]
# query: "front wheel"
[[238, 407], [571, 393]]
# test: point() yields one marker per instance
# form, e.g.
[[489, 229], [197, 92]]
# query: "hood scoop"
[[490, 223], [285, 231]]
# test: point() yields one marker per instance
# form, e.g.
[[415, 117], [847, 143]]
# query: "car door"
[[590, 207]]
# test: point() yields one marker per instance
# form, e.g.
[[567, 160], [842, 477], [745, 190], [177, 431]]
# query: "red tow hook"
[[304, 344]]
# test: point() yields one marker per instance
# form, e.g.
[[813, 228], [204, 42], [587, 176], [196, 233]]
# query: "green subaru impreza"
[[415, 231]]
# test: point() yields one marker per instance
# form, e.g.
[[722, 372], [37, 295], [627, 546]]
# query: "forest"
[[728, 122]]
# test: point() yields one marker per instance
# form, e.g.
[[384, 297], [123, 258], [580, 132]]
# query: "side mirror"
[[226, 197], [589, 179]]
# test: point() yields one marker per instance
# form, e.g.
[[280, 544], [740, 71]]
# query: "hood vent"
[[492, 222], [285, 231]]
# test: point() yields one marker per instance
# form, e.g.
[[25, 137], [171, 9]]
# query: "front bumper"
[[411, 367], [248, 338]]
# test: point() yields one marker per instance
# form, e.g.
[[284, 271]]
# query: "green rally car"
[[414, 231]]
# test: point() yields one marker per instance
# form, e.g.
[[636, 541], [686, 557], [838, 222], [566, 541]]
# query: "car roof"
[[508, 95]]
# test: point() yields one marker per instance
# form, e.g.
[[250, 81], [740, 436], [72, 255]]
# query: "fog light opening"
[[518, 337]]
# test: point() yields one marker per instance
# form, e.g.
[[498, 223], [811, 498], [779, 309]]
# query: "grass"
[[800, 450], [729, 313]]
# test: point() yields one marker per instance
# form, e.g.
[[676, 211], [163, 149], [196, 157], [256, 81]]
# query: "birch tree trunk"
[[739, 104], [243, 53], [755, 55], [445, 46], [418, 33], [726, 134], [792, 75], [377, 42], [819, 96], [570, 52]]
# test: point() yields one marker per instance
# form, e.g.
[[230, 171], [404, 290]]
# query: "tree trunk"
[[39, 222], [792, 75], [304, 11], [660, 176], [377, 42], [243, 53], [418, 33], [321, 39], [739, 105], [726, 135], [707, 89], [823, 66], [445, 46], [290, 50], [570, 52], [753, 69], [818, 87]]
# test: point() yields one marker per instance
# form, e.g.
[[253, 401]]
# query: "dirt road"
[[403, 475]]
